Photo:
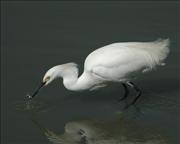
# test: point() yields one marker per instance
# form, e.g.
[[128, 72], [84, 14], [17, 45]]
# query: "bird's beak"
[[38, 89]]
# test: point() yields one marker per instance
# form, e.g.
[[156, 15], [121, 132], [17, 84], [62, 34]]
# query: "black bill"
[[37, 90]]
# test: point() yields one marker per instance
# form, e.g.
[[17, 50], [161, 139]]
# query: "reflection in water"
[[119, 130], [106, 132], [116, 131]]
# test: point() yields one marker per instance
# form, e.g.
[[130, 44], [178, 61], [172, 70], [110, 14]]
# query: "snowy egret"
[[117, 62]]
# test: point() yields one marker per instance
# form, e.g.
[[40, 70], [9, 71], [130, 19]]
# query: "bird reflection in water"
[[119, 130]]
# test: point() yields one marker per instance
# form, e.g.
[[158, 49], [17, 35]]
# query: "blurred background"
[[38, 35]]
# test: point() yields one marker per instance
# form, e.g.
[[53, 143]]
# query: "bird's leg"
[[138, 94], [126, 92]]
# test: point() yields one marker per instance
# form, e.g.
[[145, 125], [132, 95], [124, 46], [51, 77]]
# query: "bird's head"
[[49, 76], [56, 72]]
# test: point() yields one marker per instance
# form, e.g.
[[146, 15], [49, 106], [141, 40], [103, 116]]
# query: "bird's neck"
[[72, 82]]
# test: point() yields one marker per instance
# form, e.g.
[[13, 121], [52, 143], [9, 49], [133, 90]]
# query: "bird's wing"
[[114, 55], [111, 74], [118, 72], [116, 62]]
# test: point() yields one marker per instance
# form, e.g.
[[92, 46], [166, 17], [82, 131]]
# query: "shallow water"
[[120, 127], [37, 36]]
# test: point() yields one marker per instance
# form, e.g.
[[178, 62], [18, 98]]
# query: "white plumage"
[[116, 62]]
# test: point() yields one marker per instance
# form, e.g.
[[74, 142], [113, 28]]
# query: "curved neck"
[[72, 82]]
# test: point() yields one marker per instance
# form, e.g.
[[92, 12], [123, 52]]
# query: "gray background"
[[39, 35]]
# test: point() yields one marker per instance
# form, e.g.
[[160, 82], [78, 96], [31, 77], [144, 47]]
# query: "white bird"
[[117, 62]]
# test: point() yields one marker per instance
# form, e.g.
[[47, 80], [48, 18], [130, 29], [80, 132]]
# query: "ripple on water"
[[30, 105]]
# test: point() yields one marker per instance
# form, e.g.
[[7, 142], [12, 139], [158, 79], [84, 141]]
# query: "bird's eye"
[[47, 78]]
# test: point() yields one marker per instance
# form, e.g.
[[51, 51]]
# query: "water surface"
[[37, 36]]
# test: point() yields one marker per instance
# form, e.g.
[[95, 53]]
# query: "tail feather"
[[157, 52], [163, 46]]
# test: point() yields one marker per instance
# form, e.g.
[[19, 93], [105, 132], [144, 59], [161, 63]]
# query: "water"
[[37, 36]]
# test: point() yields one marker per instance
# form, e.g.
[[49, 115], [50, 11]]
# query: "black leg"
[[126, 92], [138, 94]]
